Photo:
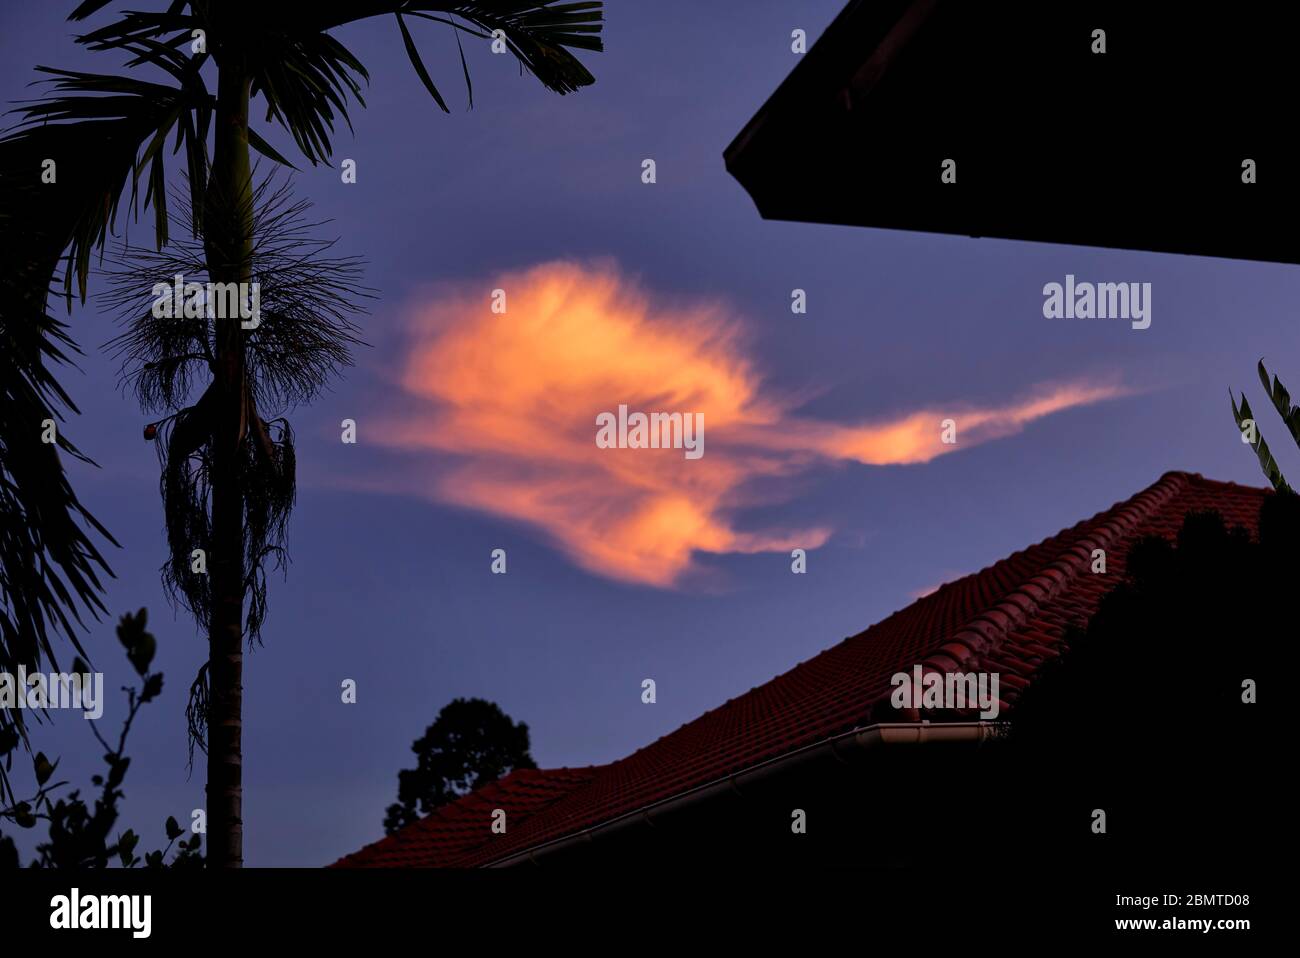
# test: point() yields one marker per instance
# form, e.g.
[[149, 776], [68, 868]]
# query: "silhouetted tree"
[[102, 130], [470, 744]]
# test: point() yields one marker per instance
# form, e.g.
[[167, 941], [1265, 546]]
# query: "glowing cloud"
[[507, 404]]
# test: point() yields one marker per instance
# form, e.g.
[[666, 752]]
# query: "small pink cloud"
[[501, 409]]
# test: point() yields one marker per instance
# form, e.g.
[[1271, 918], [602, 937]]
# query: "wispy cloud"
[[502, 409]]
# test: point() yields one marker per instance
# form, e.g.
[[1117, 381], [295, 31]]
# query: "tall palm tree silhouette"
[[64, 172]]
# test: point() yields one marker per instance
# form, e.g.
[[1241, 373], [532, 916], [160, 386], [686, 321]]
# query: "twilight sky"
[[475, 429]]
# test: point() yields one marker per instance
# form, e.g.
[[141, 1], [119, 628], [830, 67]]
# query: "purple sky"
[[394, 591]]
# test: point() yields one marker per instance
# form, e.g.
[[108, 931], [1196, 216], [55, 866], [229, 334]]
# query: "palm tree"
[[103, 131], [303, 337]]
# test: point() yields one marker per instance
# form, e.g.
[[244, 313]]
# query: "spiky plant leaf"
[[1267, 463], [1281, 402]]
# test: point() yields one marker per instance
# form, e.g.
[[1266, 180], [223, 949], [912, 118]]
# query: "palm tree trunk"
[[228, 225]]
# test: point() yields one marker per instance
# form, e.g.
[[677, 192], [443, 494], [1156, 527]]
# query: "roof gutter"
[[846, 748]]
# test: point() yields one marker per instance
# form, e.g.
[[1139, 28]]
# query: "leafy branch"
[[80, 834]]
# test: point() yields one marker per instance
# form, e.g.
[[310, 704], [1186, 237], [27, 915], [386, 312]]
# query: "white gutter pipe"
[[845, 748]]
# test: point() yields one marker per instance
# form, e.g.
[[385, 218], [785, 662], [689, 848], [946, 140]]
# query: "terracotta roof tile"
[[1009, 617], [450, 832]]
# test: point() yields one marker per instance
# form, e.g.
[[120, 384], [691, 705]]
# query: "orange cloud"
[[507, 403], [917, 437]]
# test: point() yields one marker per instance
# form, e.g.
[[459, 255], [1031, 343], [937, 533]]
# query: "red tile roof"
[[1008, 618], [442, 838]]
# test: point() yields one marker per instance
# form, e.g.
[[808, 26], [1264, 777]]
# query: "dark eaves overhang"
[[848, 747], [1141, 147]]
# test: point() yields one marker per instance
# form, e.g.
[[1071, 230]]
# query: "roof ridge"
[[1007, 616], [983, 634], [967, 644]]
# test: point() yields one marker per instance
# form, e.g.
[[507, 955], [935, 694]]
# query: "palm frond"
[[62, 172], [305, 81], [50, 566], [539, 33], [1281, 400], [99, 131], [307, 78], [1243, 417], [307, 298]]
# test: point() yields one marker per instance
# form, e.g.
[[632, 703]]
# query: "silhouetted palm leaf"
[[1281, 402], [63, 172], [1272, 471], [306, 77]]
